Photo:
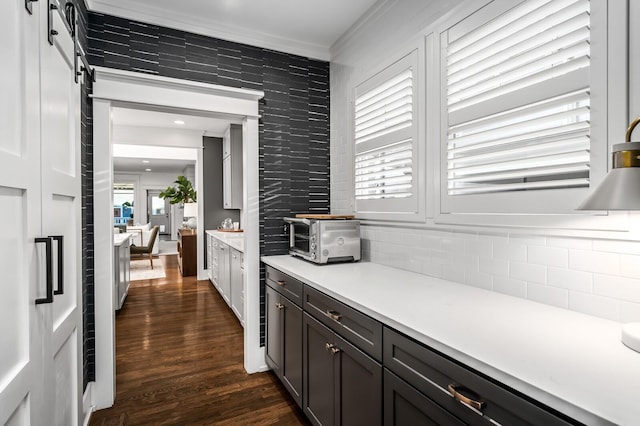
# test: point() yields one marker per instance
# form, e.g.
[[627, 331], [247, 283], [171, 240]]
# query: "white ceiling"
[[157, 165], [302, 27], [133, 161], [144, 118]]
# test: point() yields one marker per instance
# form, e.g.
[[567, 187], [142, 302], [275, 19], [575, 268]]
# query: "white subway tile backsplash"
[[617, 287], [630, 265], [528, 272], [453, 272], [454, 243], [432, 269], [570, 279], [504, 249], [627, 247], [496, 267], [478, 279], [479, 246], [591, 304], [510, 286], [570, 243], [548, 256], [549, 295], [594, 261], [596, 277], [528, 239]]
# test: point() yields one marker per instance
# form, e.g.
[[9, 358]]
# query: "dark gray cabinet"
[[405, 406], [465, 394], [342, 385], [283, 340], [346, 368]]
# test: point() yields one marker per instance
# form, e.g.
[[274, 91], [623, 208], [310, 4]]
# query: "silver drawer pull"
[[331, 348], [279, 306], [334, 315], [280, 282], [456, 392]]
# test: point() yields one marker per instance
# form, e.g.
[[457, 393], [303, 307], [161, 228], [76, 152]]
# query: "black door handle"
[[47, 242], [60, 240]]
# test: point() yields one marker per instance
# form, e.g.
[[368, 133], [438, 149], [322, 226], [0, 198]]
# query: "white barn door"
[[21, 260], [40, 288], [61, 218]]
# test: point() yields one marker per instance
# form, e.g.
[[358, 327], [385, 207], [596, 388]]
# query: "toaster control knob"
[[313, 239], [313, 255], [313, 246]]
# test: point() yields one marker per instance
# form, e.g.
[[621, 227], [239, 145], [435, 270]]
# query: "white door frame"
[[123, 88]]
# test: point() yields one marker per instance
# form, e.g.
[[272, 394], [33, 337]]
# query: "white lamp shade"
[[190, 210], [620, 190]]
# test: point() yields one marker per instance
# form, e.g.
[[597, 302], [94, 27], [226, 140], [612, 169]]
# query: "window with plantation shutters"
[[517, 102], [385, 140]]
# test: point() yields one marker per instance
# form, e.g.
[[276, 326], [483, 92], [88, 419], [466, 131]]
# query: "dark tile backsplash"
[[294, 123]]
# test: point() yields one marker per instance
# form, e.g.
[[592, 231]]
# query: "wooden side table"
[[187, 252]]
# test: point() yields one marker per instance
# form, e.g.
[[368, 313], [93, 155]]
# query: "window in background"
[[122, 203]]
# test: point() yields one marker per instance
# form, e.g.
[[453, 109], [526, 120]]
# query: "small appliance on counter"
[[321, 238]]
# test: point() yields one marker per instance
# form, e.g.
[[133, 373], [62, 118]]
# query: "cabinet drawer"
[[285, 285], [432, 374], [361, 330]]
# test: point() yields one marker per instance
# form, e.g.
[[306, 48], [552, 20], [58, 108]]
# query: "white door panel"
[[66, 387], [21, 415], [21, 261], [61, 206]]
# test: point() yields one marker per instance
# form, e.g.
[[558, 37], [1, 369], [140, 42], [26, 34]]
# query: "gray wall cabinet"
[[232, 167]]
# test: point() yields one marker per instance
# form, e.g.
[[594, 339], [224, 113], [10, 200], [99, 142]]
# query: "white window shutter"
[[518, 100], [385, 140]]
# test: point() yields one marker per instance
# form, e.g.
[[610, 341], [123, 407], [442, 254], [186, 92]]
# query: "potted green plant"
[[183, 193]]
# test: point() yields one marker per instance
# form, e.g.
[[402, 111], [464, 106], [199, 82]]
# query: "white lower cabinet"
[[237, 293], [224, 278], [226, 274]]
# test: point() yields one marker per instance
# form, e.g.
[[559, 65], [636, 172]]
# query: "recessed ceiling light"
[[178, 122], [145, 161], [148, 170]]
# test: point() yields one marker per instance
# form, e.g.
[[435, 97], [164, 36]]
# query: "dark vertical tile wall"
[[86, 153], [294, 125]]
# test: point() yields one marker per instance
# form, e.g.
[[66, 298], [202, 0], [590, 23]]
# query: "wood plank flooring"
[[179, 361]]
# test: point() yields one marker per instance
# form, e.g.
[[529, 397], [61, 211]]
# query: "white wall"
[[594, 272], [139, 135]]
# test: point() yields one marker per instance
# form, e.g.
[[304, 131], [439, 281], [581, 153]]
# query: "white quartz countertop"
[[120, 239], [232, 239], [569, 361]]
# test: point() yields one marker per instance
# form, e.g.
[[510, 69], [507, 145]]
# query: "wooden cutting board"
[[325, 216]]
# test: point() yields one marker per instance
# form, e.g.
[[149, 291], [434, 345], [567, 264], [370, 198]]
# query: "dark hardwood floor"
[[179, 361]]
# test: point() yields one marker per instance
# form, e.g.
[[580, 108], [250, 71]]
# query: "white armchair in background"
[[144, 232]]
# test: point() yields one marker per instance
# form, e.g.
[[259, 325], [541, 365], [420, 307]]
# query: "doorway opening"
[[116, 88], [159, 211]]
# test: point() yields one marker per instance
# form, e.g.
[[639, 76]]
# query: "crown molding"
[[184, 22], [378, 10]]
